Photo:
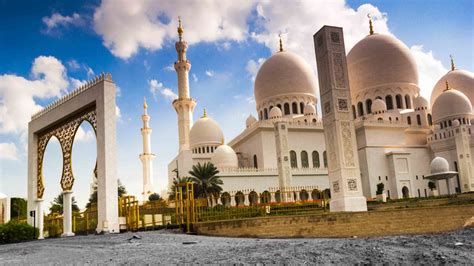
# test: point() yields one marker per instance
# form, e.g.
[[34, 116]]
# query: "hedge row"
[[13, 232]]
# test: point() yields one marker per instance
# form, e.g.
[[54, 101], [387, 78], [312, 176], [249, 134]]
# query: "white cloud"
[[84, 135], [76, 83], [18, 94], [210, 73], [169, 68], [126, 26], [8, 151], [158, 87], [117, 112], [430, 70], [253, 66], [195, 78], [73, 64], [56, 20]]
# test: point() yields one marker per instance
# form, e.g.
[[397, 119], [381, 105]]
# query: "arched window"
[[304, 159], [315, 194], [389, 102], [302, 107], [255, 162], [294, 107], [368, 105], [354, 114], [265, 197], [450, 123], [398, 99], [225, 199], [409, 120], [380, 119], [360, 109], [407, 101], [294, 163], [279, 107], [430, 119], [239, 198], [325, 160], [253, 198], [418, 120], [304, 195], [287, 108], [265, 113], [316, 163]]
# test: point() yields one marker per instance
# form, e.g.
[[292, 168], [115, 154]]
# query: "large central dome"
[[379, 60], [284, 74]]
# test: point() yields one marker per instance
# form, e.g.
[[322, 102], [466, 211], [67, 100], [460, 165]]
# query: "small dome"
[[420, 102], [309, 109], [439, 165], [250, 121], [379, 106], [379, 60], [275, 112], [451, 103], [224, 157], [284, 73], [460, 80], [205, 131], [456, 123]]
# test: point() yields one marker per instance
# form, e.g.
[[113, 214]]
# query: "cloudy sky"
[[48, 48]]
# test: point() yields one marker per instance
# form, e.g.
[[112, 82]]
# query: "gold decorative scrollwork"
[[65, 133]]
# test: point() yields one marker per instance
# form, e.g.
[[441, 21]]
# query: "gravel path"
[[167, 246]]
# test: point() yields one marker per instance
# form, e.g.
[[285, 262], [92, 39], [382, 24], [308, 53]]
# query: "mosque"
[[398, 132]]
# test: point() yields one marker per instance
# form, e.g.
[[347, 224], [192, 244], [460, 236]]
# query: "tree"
[[206, 180], [121, 190], [57, 205], [380, 188], [177, 180], [154, 197], [18, 208]]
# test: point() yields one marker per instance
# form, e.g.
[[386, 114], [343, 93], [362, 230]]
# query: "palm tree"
[[206, 180], [57, 204]]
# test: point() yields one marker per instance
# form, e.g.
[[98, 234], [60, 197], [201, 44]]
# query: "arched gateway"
[[93, 102]]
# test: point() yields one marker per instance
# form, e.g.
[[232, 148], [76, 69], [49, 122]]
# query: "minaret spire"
[[184, 105], [453, 66], [281, 42], [371, 28], [147, 156]]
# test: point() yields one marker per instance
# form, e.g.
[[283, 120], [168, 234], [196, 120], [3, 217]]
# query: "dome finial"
[[453, 66], [447, 86], [180, 28], [204, 113], [281, 42], [371, 28]]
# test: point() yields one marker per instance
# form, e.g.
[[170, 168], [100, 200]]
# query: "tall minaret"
[[184, 105], [147, 157]]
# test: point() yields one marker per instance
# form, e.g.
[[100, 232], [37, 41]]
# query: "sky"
[[48, 48]]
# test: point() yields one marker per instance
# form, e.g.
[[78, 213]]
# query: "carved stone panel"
[[352, 184], [339, 77], [346, 136]]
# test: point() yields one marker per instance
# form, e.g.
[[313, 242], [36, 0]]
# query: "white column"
[[67, 214], [39, 218]]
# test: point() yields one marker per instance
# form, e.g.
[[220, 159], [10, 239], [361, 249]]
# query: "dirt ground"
[[168, 246]]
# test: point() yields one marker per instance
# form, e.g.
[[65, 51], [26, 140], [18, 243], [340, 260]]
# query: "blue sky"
[[43, 41]]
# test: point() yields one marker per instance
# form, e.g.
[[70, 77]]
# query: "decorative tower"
[[184, 105], [147, 157], [343, 160]]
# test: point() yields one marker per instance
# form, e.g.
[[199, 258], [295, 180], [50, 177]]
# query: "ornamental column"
[[147, 156], [343, 161], [283, 162], [67, 213], [40, 218], [184, 105]]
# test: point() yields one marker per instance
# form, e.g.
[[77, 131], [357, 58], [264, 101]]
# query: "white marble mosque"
[[398, 132]]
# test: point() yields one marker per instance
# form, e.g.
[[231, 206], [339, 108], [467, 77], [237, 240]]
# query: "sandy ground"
[[167, 246]]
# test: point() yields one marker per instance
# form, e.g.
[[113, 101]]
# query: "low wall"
[[361, 224]]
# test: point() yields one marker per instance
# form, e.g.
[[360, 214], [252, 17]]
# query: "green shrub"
[[13, 232], [380, 188], [54, 230]]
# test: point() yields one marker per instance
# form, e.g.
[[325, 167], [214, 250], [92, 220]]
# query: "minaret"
[[184, 105], [147, 157]]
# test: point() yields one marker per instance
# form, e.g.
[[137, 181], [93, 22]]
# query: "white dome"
[[205, 131], [309, 109], [420, 102], [284, 73], [379, 106], [275, 112], [439, 165], [224, 157], [451, 103], [250, 121], [458, 79], [456, 123], [379, 60]]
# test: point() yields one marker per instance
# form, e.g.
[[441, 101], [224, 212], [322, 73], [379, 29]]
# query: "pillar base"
[[348, 204], [68, 234]]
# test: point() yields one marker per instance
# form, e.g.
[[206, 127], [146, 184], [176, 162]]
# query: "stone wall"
[[361, 224]]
